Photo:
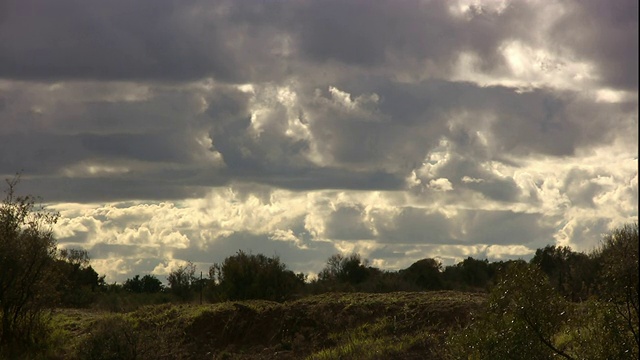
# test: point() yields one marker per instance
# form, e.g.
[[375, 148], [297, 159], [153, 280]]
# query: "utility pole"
[[201, 286]]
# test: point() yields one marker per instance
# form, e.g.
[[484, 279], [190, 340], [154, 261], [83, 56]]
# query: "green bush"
[[528, 318], [522, 319]]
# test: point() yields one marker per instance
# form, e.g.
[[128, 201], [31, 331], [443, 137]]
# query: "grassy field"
[[402, 325]]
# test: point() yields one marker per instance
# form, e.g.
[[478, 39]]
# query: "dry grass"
[[403, 325]]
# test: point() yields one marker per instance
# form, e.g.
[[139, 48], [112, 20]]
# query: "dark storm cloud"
[[605, 32], [370, 34], [410, 119], [113, 188], [120, 39], [38, 153], [257, 41], [153, 147], [373, 145], [332, 178]]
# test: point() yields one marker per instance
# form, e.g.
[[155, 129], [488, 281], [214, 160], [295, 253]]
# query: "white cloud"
[[440, 184]]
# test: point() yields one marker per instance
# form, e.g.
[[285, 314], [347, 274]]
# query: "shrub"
[[111, 338], [523, 317]]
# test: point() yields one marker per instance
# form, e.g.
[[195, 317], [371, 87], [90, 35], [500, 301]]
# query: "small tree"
[[570, 272], [618, 258], [528, 318], [27, 257], [349, 269], [426, 273], [133, 285], [78, 281], [151, 284], [469, 274], [248, 276], [181, 281], [522, 320], [146, 284]]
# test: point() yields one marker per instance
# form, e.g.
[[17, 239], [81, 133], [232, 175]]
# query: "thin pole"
[[201, 286]]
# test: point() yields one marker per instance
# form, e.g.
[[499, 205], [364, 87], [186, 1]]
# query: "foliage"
[[528, 317], [181, 281], [113, 337], [369, 341], [392, 325], [618, 286], [347, 269], [78, 282], [27, 250], [246, 276], [425, 273], [146, 284], [571, 273], [522, 318], [469, 274]]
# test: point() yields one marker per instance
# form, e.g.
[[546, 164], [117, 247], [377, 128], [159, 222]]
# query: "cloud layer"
[[166, 131]]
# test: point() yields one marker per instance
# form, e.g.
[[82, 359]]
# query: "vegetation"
[[245, 276], [561, 304], [530, 314], [27, 253], [352, 325]]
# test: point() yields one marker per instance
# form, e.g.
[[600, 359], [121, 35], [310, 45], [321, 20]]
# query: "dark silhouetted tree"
[[79, 282], [151, 284], [425, 273], [247, 276], [146, 284], [469, 274], [570, 272], [27, 276], [181, 281], [349, 269]]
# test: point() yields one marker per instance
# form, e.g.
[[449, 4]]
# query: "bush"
[[111, 338], [527, 317], [523, 317]]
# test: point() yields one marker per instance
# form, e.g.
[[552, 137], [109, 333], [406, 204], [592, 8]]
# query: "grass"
[[400, 325]]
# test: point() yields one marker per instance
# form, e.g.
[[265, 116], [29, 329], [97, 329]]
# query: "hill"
[[401, 325]]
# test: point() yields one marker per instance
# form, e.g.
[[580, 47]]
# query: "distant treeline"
[[245, 276]]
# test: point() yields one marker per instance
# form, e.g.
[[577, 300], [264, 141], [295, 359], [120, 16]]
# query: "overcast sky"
[[172, 130]]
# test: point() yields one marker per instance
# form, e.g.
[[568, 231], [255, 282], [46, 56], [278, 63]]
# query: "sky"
[[166, 131]]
